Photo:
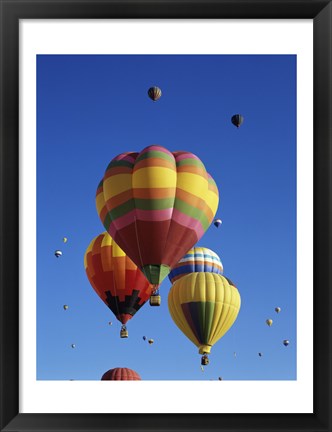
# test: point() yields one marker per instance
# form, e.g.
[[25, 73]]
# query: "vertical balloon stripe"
[[192, 316], [179, 318]]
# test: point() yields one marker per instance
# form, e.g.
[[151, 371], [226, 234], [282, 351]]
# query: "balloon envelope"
[[115, 278], [156, 205], [154, 93], [197, 259], [217, 222], [237, 120], [269, 322], [204, 306], [121, 374]]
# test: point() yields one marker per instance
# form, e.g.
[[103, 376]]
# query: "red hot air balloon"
[[121, 374], [156, 205]]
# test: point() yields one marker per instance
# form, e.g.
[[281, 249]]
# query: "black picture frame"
[[14, 10]]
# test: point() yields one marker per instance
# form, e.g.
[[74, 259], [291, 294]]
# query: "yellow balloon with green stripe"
[[204, 306]]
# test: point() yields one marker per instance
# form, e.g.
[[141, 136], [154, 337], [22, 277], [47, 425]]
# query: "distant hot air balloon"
[[217, 222], [110, 323], [116, 279], [237, 120], [286, 342], [65, 239], [65, 307], [154, 93], [150, 341], [220, 378], [197, 259], [73, 345], [260, 354], [269, 322], [277, 309], [58, 253], [121, 374], [156, 205], [144, 338], [204, 306]]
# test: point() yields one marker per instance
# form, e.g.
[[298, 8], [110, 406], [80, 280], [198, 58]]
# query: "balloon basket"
[[155, 300], [205, 360], [123, 333]]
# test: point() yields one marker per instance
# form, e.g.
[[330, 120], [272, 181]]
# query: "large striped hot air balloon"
[[120, 374], [204, 306], [116, 279], [156, 205], [197, 259]]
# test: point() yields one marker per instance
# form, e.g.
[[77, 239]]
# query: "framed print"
[[156, 125]]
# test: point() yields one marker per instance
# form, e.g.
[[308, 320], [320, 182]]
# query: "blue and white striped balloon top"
[[197, 259]]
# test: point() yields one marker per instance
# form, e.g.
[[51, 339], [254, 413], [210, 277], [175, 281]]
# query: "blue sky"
[[91, 108]]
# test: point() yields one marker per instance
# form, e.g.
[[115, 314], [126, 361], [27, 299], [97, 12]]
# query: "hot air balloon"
[[116, 279], [237, 120], [286, 342], [204, 306], [65, 239], [110, 323], [197, 259], [150, 341], [65, 307], [220, 378], [269, 322], [260, 354], [277, 309], [156, 205], [73, 345], [58, 253], [121, 374], [154, 93], [144, 338], [217, 222]]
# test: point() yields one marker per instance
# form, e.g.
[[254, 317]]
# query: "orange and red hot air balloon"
[[116, 279]]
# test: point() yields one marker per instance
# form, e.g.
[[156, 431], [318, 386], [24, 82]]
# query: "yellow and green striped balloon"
[[204, 306]]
